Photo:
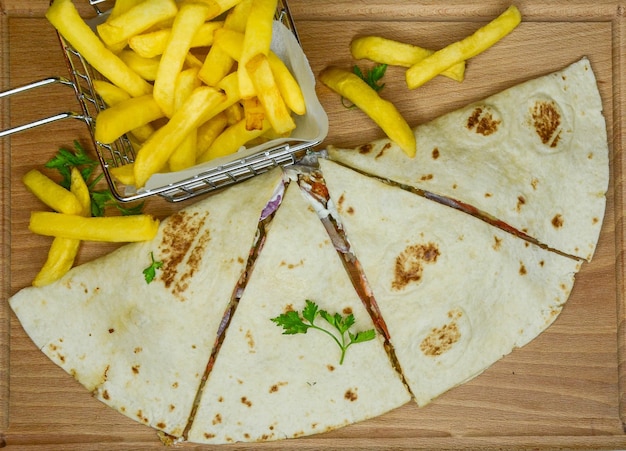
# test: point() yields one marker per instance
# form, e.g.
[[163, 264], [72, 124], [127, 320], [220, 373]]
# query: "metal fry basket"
[[120, 152]]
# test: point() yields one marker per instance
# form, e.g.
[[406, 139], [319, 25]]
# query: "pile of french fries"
[[422, 65], [187, 81], [71, 222]]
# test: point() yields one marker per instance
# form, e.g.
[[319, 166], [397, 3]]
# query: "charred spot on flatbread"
[[547, 119], [351, 394], [483, 121], [442, 339], [409, 264], [557, 221]]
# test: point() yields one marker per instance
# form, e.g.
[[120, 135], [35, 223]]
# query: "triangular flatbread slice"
[[456, 293], [142, 348], [265, 385], [534, 156]]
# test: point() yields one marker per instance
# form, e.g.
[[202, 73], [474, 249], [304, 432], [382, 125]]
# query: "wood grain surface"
[[566, 389]]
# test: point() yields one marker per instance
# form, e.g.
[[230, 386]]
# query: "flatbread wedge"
[[456, 293], [140, 347], [534, 156], [265, 385]]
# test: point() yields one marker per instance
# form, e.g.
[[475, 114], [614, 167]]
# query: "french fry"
[[185, 154], [125, 116], [237, 17], [257, 40], [51, 193], [234, 113], [395, 53], [124, 174], [287, 84], [462, 50], [382, 112], [63, 251], [61, 257], [146, 67], [62, 14], [153, 43], [121, 6], [209, 131], [115, 229], [216, 65], [231, 140], [254, 113], [136, 20], [186, 24], [269, 95], [157, 149]]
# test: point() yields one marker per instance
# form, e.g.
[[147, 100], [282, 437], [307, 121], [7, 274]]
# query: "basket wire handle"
[[47, 120]]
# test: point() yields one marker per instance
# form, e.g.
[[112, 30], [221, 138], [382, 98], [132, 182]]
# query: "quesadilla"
[[455, 292], [141, 347], [266, 385], [534, 156]]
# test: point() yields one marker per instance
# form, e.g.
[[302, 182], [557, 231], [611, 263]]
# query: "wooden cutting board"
[[567, 388]]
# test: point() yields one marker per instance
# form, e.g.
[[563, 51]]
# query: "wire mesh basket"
[[121, 151]]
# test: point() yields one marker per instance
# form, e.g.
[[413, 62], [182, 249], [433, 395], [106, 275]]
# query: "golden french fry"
[[185, 154], [287, 85], [395, 53], [269, 95], [146, 67], [237, 17], [121, 6], [254, 113], [231, 140], [216, 65], [116, 229], [230, 41], [126, 116], [153, 43], [62, 14], [257, 40], [187, 21], [60, 260], [462, 50], [208, 131], [80, 189], [156, 151], [136, 20], [51, 193], [124, 174], [382, 112], [234, 113]]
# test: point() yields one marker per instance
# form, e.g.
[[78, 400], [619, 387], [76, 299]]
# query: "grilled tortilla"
[[455, 292], [142, 347], [534, 156], [267, 386]]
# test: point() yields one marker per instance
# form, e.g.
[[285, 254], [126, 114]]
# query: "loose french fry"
[[125, 116], [185, 154], [395, 53], [287, 85], [462, 50], [61, 257], [146, 67], [382, 112], [187, 21], [254, 113], [115, 229], [136, 20], [257, 40], [80, 189], [124, 174], [51, 193], [209, 131], [153, 43], [231, 140], [157, 149], [269, 95], [62, 14]]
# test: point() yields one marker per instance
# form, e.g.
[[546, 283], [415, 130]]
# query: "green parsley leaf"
[[149, 273], [292, 323], [372, 76]]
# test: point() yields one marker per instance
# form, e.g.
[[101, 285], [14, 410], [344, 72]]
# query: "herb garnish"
[[149, 273], [372, 76], [65, 160], [293, 323]]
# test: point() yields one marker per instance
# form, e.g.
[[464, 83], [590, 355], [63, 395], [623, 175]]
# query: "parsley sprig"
[[372, 76], [66, 159], [149, 273], [292, 323]]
